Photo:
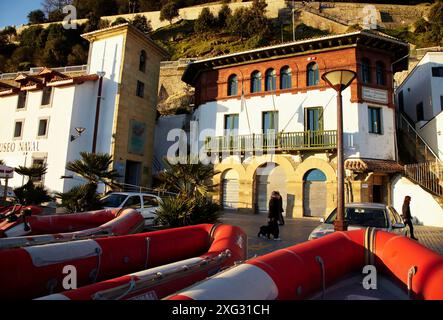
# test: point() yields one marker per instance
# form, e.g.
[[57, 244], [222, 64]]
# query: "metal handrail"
[[417, 135], [282, 141], [126, 187], [429, 175]]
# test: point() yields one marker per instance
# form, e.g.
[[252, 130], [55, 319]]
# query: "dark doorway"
[[133, 173], [377, 193]]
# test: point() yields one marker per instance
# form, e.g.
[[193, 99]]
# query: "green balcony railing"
[[282, 141]]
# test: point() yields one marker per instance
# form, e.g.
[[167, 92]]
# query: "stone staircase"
[[422, 165]]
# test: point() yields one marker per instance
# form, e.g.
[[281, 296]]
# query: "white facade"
[[359, 143], [422, 88], [71, 106], [425, 209]]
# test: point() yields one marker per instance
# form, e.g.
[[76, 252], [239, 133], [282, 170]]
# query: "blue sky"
[[14, 12]]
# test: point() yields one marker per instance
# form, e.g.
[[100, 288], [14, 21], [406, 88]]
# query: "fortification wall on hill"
[[191, 13]]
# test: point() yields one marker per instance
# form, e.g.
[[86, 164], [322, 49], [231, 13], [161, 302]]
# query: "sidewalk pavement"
[[297, 230]]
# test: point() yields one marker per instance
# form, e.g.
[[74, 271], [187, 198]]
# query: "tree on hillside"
[[141, 23], [54, 5], [36, 16], [118, 21], [237, 22], [93, 22], [250, 22], [8, 32], [223, 16], [98, 8], [205, 21], [78, 55], [169, 11]]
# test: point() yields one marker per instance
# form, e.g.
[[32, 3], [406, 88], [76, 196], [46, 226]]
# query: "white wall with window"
[[423, 86], [420, 96], [291, 116]]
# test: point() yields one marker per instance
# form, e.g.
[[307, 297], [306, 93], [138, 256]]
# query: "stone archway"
[[229, 190], [330, 184], [229, 169], [314, 193], [272, 169]]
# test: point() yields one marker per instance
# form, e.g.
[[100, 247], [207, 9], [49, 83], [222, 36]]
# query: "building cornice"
[[123, 29], [362, 38]]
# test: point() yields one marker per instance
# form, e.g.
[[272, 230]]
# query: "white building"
[[420, 96], [42, 115], [284, 94]]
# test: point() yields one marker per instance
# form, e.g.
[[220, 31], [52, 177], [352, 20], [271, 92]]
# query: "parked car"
[[362, 215], [146, 203]]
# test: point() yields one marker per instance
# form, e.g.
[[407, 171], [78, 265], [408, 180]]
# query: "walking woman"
[[274, 214], [407, 218]]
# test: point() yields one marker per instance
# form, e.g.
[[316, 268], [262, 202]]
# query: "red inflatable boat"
[[56, 223], [37, 271], [332, 267], [129, 221], [14, 210]]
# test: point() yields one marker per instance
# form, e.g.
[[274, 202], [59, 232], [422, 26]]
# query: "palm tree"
[[188, 179], [95, 167], [30, 193], [33, 172]]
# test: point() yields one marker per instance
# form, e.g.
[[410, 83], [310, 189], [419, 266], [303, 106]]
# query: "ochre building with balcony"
[[269, 122]]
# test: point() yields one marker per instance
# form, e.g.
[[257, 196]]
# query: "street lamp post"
[[339, 80]]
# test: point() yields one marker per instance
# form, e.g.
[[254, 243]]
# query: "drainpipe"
[[101, 74]]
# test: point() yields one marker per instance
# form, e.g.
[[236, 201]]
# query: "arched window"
[[255, 81], [365, 70], [314, 175], [380, 71], [271, 80], [142, 62], [313, 77], [285, 78], [232, 85]]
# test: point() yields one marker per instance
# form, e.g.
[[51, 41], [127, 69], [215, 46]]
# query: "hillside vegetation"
[[209, 35]]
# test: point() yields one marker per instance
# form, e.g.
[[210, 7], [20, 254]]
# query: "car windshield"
[[365, 217], [113, 200]]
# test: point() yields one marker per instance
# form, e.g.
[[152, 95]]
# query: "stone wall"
[[389, 15], [172, 91], [190, 13], [316, 21]]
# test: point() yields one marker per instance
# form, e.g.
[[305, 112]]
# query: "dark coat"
[[406, 212], [274, 209]]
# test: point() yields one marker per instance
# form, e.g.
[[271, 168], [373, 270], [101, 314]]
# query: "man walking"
[[406, 215]]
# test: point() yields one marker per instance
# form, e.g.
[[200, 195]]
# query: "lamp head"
[[339, 79], [80, 130]]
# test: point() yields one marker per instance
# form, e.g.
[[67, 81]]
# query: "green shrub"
[[204, 211], [30, 194], [180, 211], [174, 212], [80, 198]]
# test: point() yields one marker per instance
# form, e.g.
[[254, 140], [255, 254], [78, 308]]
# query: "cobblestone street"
[[297, 230]]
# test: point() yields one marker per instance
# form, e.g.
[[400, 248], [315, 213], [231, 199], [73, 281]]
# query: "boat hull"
[[36, 271], [304, 270]]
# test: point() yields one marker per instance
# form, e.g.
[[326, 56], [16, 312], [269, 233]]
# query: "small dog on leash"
[[265, 231]]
